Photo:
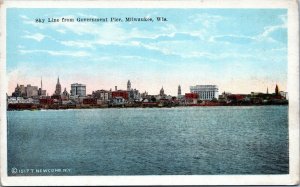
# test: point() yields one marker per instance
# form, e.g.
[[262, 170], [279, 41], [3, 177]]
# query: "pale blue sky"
[[240, 50]]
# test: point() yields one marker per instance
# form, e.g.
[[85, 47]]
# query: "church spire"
[[276, 90]]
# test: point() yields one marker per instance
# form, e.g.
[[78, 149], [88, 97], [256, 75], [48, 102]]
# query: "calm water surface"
[[150, 141]]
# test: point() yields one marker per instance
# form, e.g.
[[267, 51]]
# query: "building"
[[46, 101], [41, 92], [283, 94], [179, 92], [162, 92], [57, 88], [133, 94], [205, 92], [27, 91], [103, 95], [118, 101], [89, 101], [191, 98], [276, 90], [78, 90], [128, 85], [17, 92], [65, 95], [120, 93], [31, 91]]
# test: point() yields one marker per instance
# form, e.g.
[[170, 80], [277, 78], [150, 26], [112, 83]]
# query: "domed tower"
[[162, 92], [58, 87]]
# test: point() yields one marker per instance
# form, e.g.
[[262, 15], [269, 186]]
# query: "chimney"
[[116, 88]]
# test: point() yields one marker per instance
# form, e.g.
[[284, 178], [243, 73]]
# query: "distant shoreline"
[[29, 107]]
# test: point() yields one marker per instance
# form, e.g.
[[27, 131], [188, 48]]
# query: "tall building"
[[205, 92], [78, 90], [41, 92], [102, 95], [128, 85], [25, 91], [179, 92], [57, 88], [31, 91], [133, 94]]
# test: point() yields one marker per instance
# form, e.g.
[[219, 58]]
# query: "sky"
[[239, 50]]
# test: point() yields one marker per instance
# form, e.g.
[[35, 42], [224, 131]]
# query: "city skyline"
[[68, 88], [197, 46]]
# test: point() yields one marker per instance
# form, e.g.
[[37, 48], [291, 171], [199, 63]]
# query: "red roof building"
[[191, 96], [120, 93]]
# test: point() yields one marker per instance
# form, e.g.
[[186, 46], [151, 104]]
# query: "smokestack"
[[116, 88]]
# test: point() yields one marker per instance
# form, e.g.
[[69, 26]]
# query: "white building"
[[78, 90], [15, 100], [205, 92]]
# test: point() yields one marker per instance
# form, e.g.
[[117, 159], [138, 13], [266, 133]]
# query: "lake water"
[[149, 141]]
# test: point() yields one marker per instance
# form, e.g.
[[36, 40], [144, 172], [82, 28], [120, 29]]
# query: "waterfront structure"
[[103, 95], [57, 88], [89, 101], [283, 94], [205, 92], [20, 100], [191, 98], [120, 93], [118, 101], [78, 90]]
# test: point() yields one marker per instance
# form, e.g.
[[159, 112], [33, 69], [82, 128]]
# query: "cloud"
[[206, 20], [38, 37], [62, 31], [57, 53], [237, 39], [20, 46], [79, 44], [268, 33], [24, 17]]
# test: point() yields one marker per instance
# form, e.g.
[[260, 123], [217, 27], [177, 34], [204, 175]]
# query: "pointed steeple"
[[41, 83], [57, 88], [276, 90]]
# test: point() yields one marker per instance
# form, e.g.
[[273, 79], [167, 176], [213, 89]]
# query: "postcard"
[[149, 92]]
